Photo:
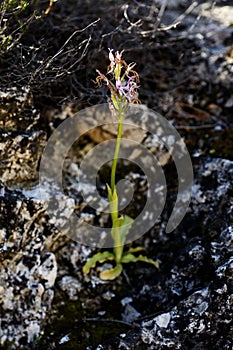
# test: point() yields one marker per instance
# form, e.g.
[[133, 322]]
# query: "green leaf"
[[125, 226], [113, 202], [135, 250], [99, 257], [114, 101], [118, 222], [109, 192], [111, 274], [128, 258]]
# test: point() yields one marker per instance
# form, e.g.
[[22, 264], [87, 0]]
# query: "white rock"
[[48, 270], [33, 331], [163, 320]]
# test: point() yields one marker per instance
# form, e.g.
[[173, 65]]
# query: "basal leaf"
[[111, 274], [148, 260], [128, 257], [135, 250], [99, 257]]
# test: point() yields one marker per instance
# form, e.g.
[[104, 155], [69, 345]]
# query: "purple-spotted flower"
[[124, 82]]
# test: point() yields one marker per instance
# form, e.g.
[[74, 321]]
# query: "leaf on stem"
[[109, 192], [113, 201], [125, 225], [99, 257]]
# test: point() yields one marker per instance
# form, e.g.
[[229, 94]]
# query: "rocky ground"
[[185, 63]]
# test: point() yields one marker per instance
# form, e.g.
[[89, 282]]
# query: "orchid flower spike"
[[124, 82]]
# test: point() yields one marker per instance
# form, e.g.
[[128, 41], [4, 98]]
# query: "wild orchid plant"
[[123, 87]]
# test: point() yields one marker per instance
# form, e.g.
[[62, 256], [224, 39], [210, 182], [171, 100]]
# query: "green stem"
[[117, 149], [118, 248]]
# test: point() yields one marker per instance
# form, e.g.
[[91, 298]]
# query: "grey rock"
[[21, 144], [71, 286], [202, 315], [17, 112], [27, 271], [20, 154]]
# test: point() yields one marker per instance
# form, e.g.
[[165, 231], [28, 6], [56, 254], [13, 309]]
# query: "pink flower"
[[125, 87]]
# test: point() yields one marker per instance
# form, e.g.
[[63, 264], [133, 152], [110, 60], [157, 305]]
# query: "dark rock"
[[200, 283]]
